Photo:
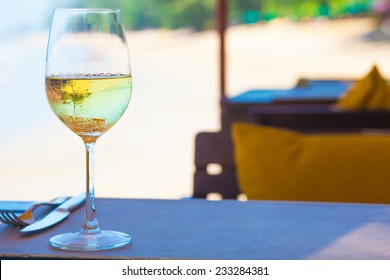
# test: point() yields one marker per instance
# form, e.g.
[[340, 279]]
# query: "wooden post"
[[221, 27]]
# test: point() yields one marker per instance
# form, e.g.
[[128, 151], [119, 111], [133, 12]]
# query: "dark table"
[[228, 229], [306, 92], [310, 91]]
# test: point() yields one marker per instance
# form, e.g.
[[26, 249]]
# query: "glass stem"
[[90, 221]]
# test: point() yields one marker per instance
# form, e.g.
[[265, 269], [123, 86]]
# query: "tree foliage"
[[200, 14]]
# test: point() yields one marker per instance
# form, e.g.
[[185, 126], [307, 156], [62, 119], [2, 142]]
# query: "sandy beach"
[[149, 152]]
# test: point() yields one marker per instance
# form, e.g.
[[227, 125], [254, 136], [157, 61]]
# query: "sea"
[[147, 154]]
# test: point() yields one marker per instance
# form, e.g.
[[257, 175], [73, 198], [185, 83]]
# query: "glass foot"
[[90, 241]]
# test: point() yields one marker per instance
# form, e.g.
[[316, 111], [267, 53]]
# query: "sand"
[[149, 152]]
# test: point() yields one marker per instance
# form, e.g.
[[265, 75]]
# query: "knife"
[[58, 214]]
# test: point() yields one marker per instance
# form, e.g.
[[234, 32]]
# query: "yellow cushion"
[[279, 164], [372, 92]]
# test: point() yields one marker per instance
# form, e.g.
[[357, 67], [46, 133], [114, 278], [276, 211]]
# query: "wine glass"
[[88, 85]]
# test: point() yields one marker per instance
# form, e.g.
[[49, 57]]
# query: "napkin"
[[372, 92]]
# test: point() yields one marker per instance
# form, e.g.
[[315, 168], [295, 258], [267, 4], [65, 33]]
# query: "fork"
[[27, 218]]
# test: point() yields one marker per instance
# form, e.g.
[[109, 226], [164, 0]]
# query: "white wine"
[[89, 105]]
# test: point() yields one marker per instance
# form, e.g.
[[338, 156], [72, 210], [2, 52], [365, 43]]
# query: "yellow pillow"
[[279, 164], [372, 92]]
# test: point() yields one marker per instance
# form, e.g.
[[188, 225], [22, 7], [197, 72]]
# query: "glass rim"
[[102, 10]]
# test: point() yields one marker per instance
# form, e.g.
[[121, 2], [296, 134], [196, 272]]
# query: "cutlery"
[[16, 206], [28, 217], [58, 214]]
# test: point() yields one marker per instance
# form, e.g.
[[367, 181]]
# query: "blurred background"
[[174, 55]]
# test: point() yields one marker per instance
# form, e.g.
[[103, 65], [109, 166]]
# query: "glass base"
[[90, 241]]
